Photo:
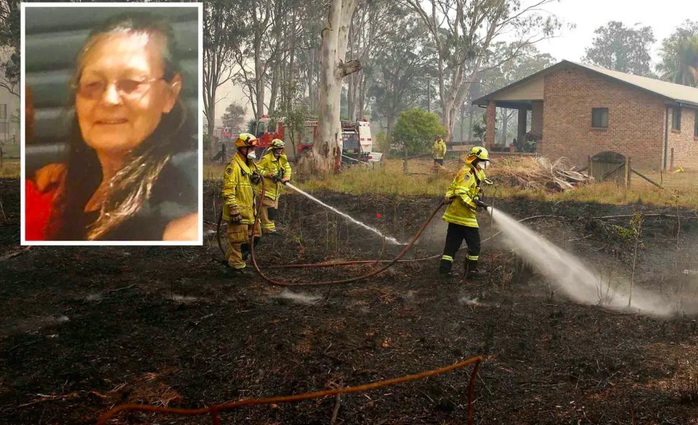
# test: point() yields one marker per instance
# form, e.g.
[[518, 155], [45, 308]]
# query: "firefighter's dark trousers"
[[455, 236]]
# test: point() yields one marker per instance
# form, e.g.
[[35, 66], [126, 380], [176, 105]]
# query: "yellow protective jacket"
[[237, 189], [438, 151], [465, 188], [269, 167]]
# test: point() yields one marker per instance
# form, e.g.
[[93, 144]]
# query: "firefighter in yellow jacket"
[[438, 151], [276, 170], [239, 203], [463, 197]]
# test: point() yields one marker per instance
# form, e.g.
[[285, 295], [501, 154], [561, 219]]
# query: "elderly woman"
[[130, 173]]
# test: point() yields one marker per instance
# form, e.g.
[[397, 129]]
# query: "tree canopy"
[[621, 48], [415, 130], [679, 55]]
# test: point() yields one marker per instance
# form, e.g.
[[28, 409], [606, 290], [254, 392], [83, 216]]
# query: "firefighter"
[[239, 204], [276, 171], [438, 151], [464, 198]]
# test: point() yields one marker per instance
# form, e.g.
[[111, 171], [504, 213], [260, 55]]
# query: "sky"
[[662, 16]]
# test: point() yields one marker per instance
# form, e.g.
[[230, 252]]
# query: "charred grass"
[[85, 329]]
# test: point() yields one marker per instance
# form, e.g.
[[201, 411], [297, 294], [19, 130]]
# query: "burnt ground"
[[85, 329]]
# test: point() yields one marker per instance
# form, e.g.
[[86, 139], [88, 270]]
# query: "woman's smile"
[[111, 121]]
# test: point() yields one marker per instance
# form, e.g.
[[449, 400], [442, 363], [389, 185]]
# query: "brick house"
[[579, 110]]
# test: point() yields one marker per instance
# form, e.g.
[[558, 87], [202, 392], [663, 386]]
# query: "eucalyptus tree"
[[222, 35], [621, 48], [374, 23], [259, 49], [334, 67], [9, 45], [399, 70], [464, 30]]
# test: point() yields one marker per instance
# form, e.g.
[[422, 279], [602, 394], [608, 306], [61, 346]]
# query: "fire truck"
[[357, 143]]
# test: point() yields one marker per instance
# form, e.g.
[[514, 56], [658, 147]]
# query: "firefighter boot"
[[445, 268], [245, 251], [472, 271]]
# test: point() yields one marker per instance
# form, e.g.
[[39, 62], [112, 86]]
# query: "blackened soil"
[[85, 329]]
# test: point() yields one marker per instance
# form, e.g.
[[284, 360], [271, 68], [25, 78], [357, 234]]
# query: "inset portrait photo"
[[111, 144]]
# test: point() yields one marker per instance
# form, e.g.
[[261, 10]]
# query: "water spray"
[[581, 282], [347, 216]]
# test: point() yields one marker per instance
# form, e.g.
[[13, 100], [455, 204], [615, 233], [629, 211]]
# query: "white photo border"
[[199, 121]]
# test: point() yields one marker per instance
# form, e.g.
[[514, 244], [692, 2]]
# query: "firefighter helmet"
[[277, 144], [245, 140], [480, 153]]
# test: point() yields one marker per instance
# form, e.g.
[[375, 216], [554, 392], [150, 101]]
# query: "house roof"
[[674, 92]]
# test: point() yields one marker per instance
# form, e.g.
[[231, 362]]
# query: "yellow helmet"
[[478, 152], [277, 144], [245, 140]]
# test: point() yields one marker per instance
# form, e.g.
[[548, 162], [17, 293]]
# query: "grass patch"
[[390, 178], [10, 169]]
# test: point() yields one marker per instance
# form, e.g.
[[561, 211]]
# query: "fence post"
[[627, 172], [404, 163], [589, 165], [671, 163]]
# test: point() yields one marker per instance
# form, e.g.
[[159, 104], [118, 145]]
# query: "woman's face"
[[121, 95]]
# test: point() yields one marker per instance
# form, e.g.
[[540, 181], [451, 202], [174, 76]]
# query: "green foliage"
[[382, 142], [680, 55], [9, 39], [294, 116], [252, 126], [480, 128], [207, 145], [622, 49], [623, 232], [234, 116], [415, 129]]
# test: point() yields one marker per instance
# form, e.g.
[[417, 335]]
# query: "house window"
[[676, 118], [3, 112], [599, 117]]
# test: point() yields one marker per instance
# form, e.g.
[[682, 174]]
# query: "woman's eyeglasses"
[[94, 89]]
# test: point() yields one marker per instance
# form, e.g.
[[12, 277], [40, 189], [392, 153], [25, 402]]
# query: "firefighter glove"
[[255, 178], [481, 204], [448, 200], [235, 216]]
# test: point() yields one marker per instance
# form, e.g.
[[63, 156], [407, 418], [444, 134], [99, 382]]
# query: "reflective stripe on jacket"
[[269, 166], [237, 189], [465, 187], [438, 151]]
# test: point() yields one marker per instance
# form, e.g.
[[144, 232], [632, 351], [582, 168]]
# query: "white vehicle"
[[357, 143]]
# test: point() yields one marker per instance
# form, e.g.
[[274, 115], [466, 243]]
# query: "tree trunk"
[[274, 92], [470, 123], [259, 86], [211, 118], [361, 97], [326, 152]]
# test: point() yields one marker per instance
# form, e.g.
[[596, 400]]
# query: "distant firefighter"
[[438, 151]]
